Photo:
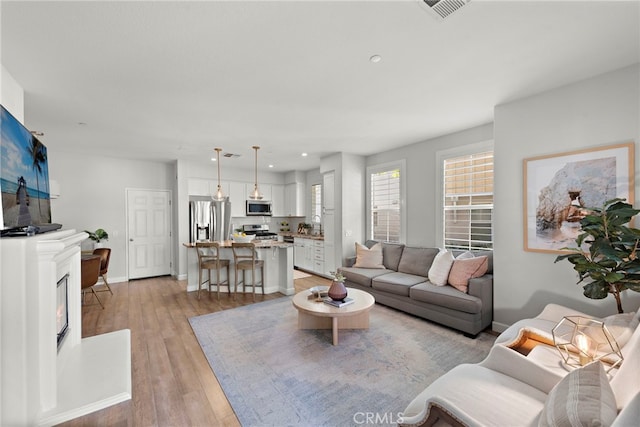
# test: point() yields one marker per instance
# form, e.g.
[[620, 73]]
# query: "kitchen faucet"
[[313, 219]]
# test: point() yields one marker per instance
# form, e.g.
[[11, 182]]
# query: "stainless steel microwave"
[[259, 208]]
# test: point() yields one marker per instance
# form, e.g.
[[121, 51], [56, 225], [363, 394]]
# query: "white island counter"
[[278, 265]]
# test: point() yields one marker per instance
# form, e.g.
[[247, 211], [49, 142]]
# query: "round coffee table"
[[313, 314]]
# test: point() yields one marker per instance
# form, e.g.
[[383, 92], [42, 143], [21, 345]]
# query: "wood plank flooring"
[[173, 384]]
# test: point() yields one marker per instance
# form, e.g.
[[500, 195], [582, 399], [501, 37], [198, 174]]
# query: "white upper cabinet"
[[277, 200], [238, 196], [328, 190], [200, 187], [294, 199]]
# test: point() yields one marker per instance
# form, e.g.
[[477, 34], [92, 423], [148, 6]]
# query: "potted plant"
[[612, 261], [337, 290], [97, 236]]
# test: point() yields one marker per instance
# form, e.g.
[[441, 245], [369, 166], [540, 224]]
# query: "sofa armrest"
[[515, 365], [482, 288]]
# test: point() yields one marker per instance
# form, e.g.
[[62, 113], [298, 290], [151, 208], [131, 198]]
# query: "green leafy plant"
[[611, 262], [98, 235], [337, 276]]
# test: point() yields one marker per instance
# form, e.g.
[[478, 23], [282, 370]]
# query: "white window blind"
[[385, 205], [316, 203], [468, 202]]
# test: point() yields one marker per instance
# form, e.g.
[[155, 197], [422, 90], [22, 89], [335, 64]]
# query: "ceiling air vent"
[[444, 8], [231, 155]]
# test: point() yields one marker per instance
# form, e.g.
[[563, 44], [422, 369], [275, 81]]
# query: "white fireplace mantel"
[[41, 384]]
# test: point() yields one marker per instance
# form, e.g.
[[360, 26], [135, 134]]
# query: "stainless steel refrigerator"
[[209, 219]]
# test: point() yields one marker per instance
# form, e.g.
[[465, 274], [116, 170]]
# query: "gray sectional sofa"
[[403, 284]]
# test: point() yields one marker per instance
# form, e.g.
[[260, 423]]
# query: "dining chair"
[[89, 273], [209, 259], [105, 255], [245, 258]]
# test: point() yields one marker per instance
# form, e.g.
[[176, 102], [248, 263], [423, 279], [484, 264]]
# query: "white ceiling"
[[166, 80]]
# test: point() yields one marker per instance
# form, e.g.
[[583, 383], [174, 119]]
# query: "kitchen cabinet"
[[309, 254], [328, 191], [318, 256], [277, 200], [200, 187], [294, 199], [238, 196]]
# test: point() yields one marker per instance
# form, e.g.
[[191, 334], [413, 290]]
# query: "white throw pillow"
[[368, 257], [439, 270], [582, 398]]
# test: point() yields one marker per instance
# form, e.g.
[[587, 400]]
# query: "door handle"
[[131, 240]]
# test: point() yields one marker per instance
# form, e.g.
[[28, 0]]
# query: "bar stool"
[[209, 259], [245, 258]]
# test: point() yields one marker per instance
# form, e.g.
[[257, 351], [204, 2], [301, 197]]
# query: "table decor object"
[[581, 340]]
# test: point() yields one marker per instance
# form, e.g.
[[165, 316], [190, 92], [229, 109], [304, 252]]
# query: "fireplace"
[[62, 308]]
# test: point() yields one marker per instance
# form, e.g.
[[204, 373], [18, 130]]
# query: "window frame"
[[443, 155], [383, 167]]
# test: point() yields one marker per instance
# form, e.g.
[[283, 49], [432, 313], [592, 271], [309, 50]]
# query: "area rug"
[[276, 375]]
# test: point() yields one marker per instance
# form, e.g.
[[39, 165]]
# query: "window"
[[385, 192], [468, 201], [316, 203]]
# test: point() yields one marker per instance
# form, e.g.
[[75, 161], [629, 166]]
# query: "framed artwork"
[[560, 188]]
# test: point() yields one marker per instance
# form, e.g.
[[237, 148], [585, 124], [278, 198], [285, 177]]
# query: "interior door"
[[148, 233]]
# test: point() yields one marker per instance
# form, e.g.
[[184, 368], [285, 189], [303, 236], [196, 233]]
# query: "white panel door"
[[148, 232]]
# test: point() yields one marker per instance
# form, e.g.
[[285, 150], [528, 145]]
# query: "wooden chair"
[[105, 255], [209, 259], [89, 272], [245, 257]]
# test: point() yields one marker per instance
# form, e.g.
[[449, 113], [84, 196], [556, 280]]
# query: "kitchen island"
[[278, 267]]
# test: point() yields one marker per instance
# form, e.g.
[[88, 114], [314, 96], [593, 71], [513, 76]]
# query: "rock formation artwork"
[[573, 189]]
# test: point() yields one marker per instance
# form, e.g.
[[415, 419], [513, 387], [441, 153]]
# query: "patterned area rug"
[[274, 374]]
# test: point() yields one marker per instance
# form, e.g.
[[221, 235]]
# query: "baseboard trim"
[[499, 327]]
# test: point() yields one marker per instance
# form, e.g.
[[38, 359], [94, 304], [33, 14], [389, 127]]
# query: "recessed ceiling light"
[[375, 59], [213, 159], [270, 166], [304, 154]]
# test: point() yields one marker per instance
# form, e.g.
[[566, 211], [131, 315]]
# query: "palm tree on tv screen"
[[38, 159]]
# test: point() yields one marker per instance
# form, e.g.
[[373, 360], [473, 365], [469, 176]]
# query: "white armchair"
[[510, 388]]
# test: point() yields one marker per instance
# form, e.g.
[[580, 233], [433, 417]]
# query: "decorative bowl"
[[240, 238]]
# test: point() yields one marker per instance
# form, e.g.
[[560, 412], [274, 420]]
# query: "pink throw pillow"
[[464, 269]]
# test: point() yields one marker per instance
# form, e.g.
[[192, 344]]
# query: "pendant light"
[[255, 194], [219, 196]]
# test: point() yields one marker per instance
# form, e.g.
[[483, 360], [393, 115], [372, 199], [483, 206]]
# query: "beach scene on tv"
[[24, 175]]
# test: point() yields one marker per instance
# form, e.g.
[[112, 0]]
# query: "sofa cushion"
[[391, 253], [439, 271], [417, 260], [396, 283], [361, 276], [464, 269], [368, 257], [584, 397], [445, 296]]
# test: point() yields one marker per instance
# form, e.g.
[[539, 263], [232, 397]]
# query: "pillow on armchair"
[[584, 397]]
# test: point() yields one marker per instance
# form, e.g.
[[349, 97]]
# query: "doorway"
[[148, 233]]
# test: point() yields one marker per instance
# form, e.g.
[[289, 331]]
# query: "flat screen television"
[[24, 179]]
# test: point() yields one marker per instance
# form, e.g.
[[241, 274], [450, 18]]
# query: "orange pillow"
[[464, 269]]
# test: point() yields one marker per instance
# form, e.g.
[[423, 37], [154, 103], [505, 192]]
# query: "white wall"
[[11, 94], [421, 171], [92, 195], [599, 111]]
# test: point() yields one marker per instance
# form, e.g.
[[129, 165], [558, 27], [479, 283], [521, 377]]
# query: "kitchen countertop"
[[302, 236], [259, 244]]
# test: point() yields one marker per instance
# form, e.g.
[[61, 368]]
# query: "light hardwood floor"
[[173, 384]]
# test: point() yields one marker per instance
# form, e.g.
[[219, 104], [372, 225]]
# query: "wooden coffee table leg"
[[334, 325]]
